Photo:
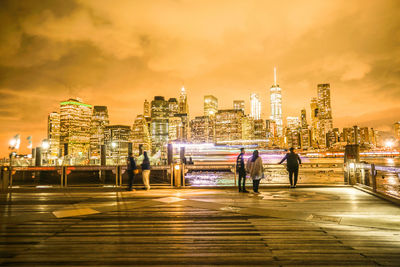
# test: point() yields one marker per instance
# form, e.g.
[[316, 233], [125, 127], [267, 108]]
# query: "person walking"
[[146, 170], [293, 161], [241, 170], [131, 169], [255, 169]]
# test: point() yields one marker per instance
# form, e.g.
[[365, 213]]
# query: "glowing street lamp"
[[45, 144], [389, 144]]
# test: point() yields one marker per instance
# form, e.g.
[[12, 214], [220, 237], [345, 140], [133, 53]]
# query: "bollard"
[[177, 175], [4, 179]]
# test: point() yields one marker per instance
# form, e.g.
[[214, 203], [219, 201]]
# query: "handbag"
[[135, 171]]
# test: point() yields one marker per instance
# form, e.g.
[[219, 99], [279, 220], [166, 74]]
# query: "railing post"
[[62, 177], [116, 176], [373, 176], [120, 175], [234, 175], [171, 168], [183, 175]]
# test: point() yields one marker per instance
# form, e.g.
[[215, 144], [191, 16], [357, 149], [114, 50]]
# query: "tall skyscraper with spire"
[[276, 106], [183, 105]]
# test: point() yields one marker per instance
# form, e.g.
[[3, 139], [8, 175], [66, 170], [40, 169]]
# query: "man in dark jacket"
[[293, 161], [241, 170], [131, 167]]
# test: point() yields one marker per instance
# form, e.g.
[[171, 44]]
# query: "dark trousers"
[[294, 171], [256, 183], [131, 176], [242, 180]]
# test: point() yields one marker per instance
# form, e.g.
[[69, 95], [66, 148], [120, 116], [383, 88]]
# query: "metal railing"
[[67, 176], [225, 175], [384, 180]]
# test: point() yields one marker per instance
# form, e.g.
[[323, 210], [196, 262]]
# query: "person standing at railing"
[[146, 170], [255, 169], [131, 169], [241, 170], [293, 161]]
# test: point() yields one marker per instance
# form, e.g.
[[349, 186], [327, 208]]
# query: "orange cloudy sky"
[[118, 53]]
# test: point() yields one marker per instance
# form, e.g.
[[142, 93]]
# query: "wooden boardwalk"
[[280, 227]]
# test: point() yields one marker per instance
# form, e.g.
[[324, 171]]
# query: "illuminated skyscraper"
[[146, 109], [141, 134], [259, 130], [293, 123], [314, 122], [293, 131], [325, 124], [304, 123], [247, 128], [210, 105], [255, 111], [116, 139], [238, 105], [183, 104], [228, 125], [173, 107], [397, 129], [159, 123], [99, 121], [53, 134], [276, 106], [75, 118], [202, 129], [175, 129]]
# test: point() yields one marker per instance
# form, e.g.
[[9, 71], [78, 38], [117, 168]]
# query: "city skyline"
[[48, 56]]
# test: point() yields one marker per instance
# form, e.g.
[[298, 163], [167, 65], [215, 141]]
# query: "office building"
[[75, 122], [53, 134], [247, 128], [397, 129], [314, 122], [276, 106], [116, 140], [259, 130], [183, 104], [325, 124], [173, 107], [255, 108], [228, 125], [140, 135], [146, 109], [98, 123], [239, 105], [210, 105], [159, 130], [202, 129]]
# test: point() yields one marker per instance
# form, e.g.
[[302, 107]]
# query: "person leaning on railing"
[[293, 161]]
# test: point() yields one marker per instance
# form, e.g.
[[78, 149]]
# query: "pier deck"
[[280, 227]]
